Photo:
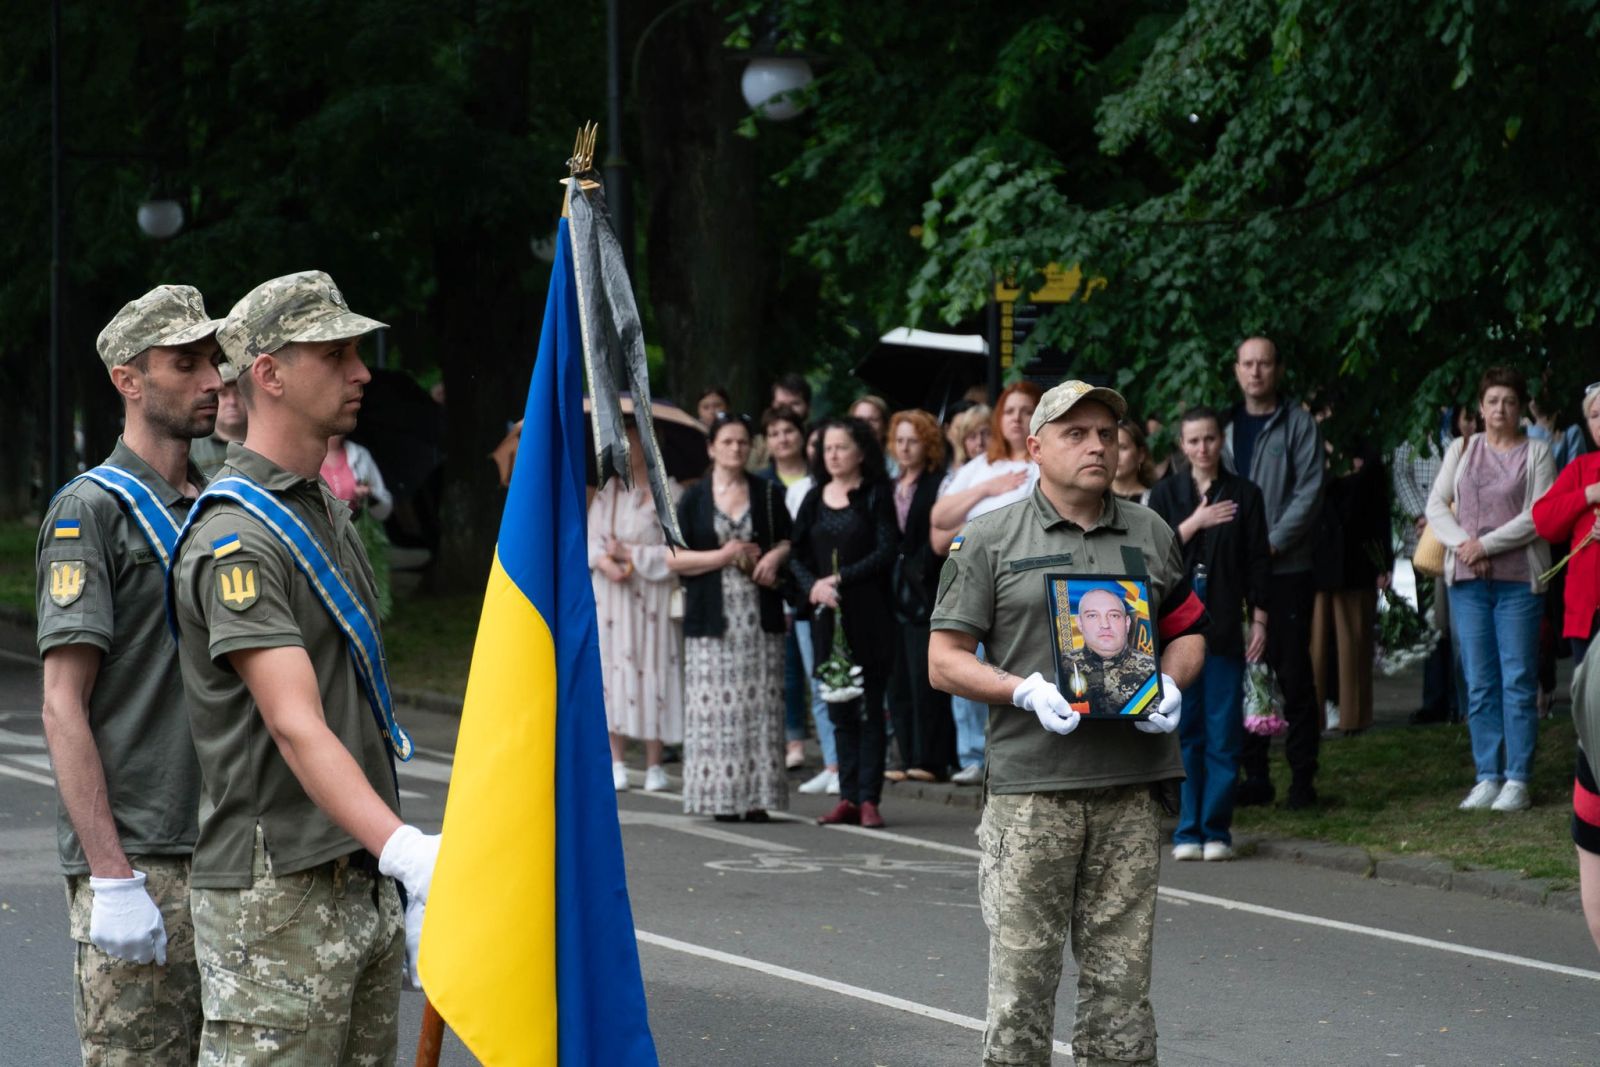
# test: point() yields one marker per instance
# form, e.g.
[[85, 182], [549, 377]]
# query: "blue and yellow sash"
[[327, 582], [141, 505]]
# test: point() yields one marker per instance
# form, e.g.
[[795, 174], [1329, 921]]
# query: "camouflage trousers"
[[1081, 864], [302, 969], [141, 1014]]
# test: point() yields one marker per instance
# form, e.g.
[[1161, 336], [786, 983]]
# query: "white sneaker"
[[1514, 797], [818, 783], [1483, 795], [655, 779], [1330, 715], [1218, 850], [1186, 850], [972, 775], [833, 783], [619, 777]]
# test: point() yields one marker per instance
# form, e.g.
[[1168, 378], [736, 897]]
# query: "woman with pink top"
[[1481, 507]]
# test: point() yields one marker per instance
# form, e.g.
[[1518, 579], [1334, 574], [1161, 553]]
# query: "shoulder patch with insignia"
[[67, 529], [236, 585], [67, 580]]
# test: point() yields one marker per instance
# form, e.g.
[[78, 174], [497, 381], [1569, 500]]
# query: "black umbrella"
[[682, 438], [923, 369]]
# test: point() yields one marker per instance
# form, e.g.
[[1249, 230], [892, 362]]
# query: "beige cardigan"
[[1518, 533]]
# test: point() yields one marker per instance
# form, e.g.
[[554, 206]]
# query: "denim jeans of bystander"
[[1497, 631]]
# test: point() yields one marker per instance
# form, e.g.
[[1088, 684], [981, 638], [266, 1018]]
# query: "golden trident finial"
[[582, 160]]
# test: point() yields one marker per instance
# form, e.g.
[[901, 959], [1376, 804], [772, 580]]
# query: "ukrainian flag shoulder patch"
[[955, 545], [68, 529], [226, 546]]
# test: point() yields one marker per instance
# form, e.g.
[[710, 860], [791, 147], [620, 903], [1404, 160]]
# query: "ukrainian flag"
[[528, 948]]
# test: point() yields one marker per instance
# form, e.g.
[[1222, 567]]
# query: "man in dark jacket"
[[1276, 444]]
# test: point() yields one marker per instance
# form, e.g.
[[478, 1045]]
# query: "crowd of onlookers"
[[815, 544]]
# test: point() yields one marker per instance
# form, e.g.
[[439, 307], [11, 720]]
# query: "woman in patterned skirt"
[[737, 531]]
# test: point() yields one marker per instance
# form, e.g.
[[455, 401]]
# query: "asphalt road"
[[790, 944]]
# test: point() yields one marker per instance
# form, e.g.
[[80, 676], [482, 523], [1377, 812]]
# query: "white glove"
[[125, 922], [409, 855], [413, 977], [1045, 700], [1165, 718]]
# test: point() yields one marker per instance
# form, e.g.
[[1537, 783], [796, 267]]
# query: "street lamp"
[[160, 218], [772, 84]]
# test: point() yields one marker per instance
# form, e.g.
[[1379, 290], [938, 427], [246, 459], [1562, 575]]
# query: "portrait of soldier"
[[1112, 665]]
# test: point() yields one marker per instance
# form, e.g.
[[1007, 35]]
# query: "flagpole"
[[431, 1039]]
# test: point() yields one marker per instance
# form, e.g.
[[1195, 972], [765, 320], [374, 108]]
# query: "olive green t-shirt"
[[993, 588], [253, 597], [100, 583], [208, 453]]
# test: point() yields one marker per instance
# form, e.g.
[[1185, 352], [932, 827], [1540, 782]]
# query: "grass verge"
[[16, 563], [428, 640], [1395, 790]]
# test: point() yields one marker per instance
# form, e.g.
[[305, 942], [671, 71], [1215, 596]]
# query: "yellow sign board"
[[1019, 311]]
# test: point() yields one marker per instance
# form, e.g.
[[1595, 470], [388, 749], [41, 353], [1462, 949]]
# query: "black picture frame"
[[1103, 677]]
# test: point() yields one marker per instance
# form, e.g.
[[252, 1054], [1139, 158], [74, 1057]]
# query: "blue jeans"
[[1497, 630], [819, 707], [1210, 733], [796, 691], [972, 722]]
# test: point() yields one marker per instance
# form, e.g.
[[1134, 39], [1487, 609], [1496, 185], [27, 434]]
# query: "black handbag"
[[910, 595]]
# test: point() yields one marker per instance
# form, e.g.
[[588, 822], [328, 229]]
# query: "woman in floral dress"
[[737, 531]]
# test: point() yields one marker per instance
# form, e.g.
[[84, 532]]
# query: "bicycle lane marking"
[[1185, 896], [885, 1000]]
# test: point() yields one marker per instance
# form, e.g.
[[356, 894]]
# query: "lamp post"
[[158, 217], [769, 85]]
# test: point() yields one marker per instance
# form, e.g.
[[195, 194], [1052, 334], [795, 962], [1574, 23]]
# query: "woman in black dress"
[[849, 515]]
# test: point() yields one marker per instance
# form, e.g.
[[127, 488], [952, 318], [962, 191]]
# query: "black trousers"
[[860, 736], [1289, 655], [923, 726], [1439, 671]]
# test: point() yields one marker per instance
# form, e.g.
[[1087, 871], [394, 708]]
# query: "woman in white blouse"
[[1003, 475]]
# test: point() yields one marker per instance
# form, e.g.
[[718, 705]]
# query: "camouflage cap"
[[166, 316], [1061, 399], [305, 306]]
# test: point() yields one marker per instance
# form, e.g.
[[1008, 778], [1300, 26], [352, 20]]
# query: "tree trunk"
[[708, 277]]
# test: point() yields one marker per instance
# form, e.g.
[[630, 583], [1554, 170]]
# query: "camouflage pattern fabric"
[[168, 315], [1079, 864], [300, 968], [305, 306], [1113, 682], [138, 1014]]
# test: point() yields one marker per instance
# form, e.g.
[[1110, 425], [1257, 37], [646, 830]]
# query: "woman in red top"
[[1568, 512]]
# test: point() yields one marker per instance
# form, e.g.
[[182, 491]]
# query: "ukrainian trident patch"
[[66, 581], [236, 586]]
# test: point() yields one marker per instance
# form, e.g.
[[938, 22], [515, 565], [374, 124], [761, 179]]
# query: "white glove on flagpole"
[[1165, 718], [125, 922], [409, 855], [1042, 698]]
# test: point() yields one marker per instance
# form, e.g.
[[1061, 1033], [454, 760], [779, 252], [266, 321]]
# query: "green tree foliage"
[[1399, 194]]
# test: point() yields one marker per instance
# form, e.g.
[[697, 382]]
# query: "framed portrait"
[[1106, 648]]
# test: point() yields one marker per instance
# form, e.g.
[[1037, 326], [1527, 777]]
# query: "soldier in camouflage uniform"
[[1069, 828], [1114, 668], [299, 927], [114, 711]]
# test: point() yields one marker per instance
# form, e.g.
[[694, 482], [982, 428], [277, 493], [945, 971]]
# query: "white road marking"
[[772, 970], [685, 824], [427, 770], [1378, 932], [28, 759], [411, 794], [11, 737], [27, 776], [1187, 897]]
